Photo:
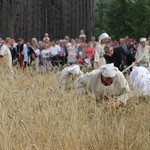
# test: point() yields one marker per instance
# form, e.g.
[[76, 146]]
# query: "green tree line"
[[121, 18]]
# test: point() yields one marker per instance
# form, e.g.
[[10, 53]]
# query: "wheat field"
[[37, 114]]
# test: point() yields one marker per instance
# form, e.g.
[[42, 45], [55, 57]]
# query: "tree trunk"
[[28, 18]]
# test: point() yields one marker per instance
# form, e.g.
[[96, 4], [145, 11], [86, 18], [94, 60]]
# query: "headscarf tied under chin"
[[109, 70]]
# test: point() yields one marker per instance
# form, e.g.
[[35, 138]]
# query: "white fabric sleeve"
[[64, 73], [125, 90], [83, 80], [136, 55], [96, 55]]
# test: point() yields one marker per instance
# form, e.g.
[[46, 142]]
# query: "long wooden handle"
[[132, 64], [128, 67]]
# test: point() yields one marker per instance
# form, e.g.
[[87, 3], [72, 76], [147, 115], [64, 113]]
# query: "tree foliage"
[[123, 17]]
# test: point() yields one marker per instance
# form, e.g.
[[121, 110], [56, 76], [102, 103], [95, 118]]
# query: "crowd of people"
[[50, 52], [91, 54], [104, 60]]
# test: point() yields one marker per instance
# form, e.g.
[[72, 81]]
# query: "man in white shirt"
[[107, 83], [5, 54], [22, 53], [55, 51]]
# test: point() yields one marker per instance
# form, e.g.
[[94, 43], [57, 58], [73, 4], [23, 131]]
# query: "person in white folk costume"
[[143, 53], [5, 56], [107, 83], [99, 59], [140, 81], [73, 70]]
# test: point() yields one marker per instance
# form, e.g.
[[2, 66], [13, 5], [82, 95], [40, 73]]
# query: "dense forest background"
[[123, 17], [32, 18]]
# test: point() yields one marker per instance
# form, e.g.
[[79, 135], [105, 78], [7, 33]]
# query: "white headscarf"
[[138, 72], [109, 70], [143, 39], [75, 69], [140, 80], [103, 36]]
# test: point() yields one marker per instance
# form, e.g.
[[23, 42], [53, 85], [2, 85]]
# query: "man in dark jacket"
[[113, 56]]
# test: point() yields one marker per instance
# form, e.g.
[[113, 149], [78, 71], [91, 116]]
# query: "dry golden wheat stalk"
[[37, 114]]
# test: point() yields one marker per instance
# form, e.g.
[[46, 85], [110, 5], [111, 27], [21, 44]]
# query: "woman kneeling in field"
[[140, 81], [71, 72]]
